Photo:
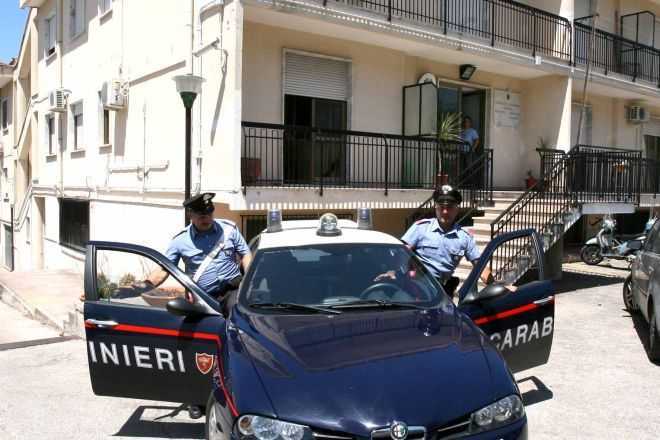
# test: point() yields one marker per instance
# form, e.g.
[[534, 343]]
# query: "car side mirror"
[[635, 245], [182, 307], [491, 291]]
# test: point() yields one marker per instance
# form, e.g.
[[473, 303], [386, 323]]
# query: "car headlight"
[[502, 412], [265, 428]]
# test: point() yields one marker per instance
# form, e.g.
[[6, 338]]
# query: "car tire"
[[591, 254], [211, 428], [628, 299], [654, 337]]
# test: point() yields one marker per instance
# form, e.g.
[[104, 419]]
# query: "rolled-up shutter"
[[316, 77]]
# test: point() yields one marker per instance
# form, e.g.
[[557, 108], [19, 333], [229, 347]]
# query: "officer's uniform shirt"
[[192, 246], [440, 251]]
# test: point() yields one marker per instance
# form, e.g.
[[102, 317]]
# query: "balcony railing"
[[284, 155], [501, 23], [614, 54]]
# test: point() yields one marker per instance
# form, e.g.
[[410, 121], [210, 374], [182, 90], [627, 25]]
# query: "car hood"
[[361, 370]]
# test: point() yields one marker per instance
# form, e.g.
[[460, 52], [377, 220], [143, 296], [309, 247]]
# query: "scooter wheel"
[[591, 255]]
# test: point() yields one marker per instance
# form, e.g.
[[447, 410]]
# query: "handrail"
[[25, 121], [586, 174], [22, 212], [481, 164], [499, 21]]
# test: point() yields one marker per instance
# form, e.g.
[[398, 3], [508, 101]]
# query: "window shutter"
[[316, 77]]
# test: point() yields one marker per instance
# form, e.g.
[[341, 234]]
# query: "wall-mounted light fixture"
[[466, 71]]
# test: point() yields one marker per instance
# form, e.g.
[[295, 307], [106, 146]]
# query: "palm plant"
[[449, 127]]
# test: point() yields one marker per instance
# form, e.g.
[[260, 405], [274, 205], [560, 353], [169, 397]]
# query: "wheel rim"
[[213, 431], [592, 254], [627, 295]]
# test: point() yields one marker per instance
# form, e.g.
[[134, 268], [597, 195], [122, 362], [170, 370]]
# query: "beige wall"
[[378, 76]]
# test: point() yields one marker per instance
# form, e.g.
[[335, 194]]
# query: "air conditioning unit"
[[57, 100], [113, 94], [638, 114]]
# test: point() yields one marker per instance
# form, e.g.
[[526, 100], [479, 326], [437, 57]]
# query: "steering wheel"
[[378, 286]]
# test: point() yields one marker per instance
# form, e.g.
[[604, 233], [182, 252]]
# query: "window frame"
[[50, 35], [4, 113], [77, 110], [76, 9], [103, 11], [51, 133], [67, 222]]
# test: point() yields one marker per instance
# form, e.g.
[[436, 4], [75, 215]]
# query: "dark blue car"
[[336, 333]]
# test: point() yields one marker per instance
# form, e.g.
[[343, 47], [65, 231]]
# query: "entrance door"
[[314, 145]]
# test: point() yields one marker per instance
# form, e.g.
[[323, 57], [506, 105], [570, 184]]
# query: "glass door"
[[314, 145]]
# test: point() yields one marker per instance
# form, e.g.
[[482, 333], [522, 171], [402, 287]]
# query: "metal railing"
[[615, 54], [498, 22], [586, 174], [285, 155], [475, 183]]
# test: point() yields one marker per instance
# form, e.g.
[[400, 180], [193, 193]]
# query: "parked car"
[[313, 347], [641, 291]]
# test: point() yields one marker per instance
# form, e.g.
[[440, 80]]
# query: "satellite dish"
[[428, 78]]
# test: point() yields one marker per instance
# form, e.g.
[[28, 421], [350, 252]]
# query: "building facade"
[[307, 106]]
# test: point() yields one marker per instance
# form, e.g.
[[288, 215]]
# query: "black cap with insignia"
[[447, 195], [202, 203]]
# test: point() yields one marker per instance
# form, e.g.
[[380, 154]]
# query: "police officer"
[[441, 244], [209, 248]]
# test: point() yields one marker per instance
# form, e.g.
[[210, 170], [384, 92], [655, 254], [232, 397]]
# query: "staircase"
[[586, 175], [481, 230]]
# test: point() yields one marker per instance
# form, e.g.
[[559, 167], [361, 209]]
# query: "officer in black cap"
[[210, 248], [440, 243]]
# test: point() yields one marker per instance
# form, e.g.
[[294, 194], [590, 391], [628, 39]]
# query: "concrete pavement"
[[49, 296]]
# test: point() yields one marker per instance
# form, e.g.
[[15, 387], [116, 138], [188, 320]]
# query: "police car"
[[320, 344]]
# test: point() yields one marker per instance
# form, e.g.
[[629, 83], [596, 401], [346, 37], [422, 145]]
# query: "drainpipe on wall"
[[62, 116]]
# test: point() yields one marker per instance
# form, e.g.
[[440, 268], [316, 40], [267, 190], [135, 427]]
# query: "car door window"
[[512, 263], [120, 278]]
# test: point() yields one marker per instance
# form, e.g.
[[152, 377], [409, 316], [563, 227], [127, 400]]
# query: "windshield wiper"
[[293, 306], [365, 303]]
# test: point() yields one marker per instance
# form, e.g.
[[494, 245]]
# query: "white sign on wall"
[[507, 109]]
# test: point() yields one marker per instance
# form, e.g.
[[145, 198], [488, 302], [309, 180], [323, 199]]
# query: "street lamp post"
[[188, 86]]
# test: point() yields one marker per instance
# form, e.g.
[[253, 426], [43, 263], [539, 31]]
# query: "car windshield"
[[341, 276]]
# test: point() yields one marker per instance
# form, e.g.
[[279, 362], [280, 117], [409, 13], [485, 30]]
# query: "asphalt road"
[[598, 384]]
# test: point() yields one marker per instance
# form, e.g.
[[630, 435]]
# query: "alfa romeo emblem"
[[398, 431]]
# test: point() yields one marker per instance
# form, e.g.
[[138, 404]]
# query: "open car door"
[[139, 343], [517, 310]]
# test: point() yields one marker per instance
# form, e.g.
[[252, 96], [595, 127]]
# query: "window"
[[106, 127], [77, 15], [50, 131], [120, 276], [74, 223], [584, 8], [78, 132], [4, 113], [50, 34], [105, 6], [586, 132]]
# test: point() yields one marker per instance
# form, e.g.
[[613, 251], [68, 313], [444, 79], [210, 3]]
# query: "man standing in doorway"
[[469, 135]]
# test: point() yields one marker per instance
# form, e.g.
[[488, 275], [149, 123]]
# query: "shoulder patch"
[[422, 221]]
